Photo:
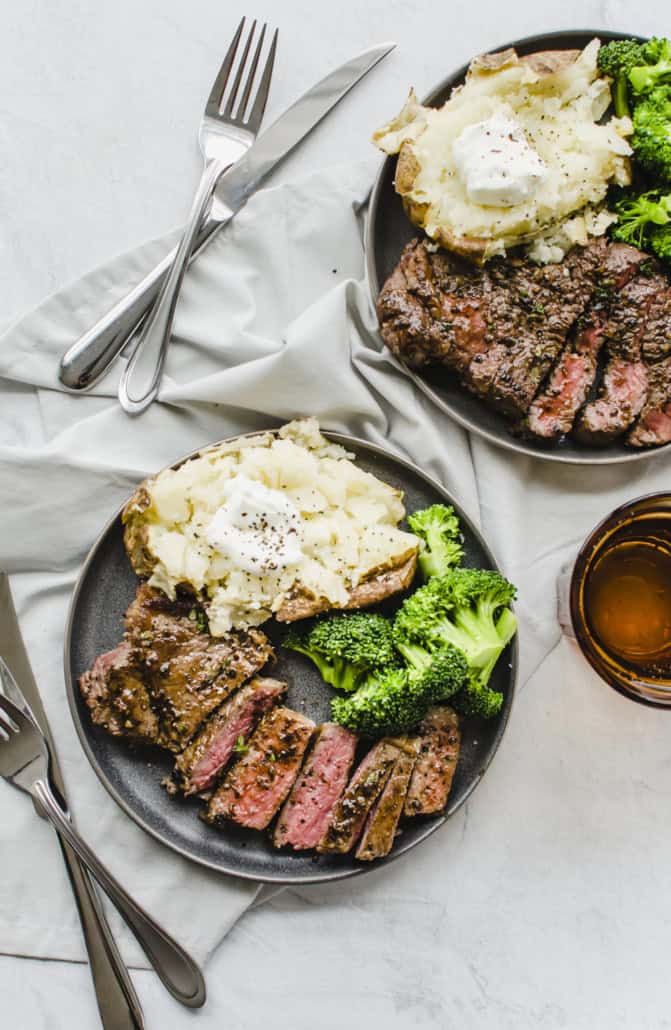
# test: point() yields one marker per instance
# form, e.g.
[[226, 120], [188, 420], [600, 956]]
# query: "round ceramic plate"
[[133, 775], [388, 230]]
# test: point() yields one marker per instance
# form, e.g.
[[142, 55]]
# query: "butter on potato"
[[558, 98]]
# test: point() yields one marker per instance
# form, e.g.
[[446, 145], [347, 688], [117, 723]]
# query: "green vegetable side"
[[442, 645], [641, 74]]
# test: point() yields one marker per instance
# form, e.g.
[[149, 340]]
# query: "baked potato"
[[558, 100]]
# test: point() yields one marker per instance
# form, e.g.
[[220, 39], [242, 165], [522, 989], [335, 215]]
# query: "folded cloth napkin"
[[274, 321]]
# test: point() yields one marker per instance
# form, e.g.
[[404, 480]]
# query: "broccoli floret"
[[345, 648], [477, 697], [467, 608], [391, 701], [644, 219], [616, 59], [654, 69], [639, 213], [441, 672], [652, 133], [438, 529]]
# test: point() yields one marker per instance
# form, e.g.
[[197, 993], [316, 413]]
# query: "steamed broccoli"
[[466, 608], [345, 648], [644, 220], [654, 69], [652, 133], [616, 59], [441, 672], [393, 700], [438, 529]]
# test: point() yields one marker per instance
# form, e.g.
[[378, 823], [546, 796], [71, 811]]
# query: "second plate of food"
[[195, 714], [421, 318]]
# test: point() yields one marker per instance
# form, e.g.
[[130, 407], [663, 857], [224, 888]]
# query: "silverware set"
[[236, 162]]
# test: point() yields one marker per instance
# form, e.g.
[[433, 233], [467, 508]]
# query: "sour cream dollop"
[[495, 163], [258, 528]]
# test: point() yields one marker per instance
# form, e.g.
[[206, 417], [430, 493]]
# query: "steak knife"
[[118, 1003], [89, 358]]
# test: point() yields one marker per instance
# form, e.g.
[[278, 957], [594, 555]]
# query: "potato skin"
[[135, 531]]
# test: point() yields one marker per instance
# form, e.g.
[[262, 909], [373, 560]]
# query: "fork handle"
[[174, 966], [118, 1004], [141, 377]]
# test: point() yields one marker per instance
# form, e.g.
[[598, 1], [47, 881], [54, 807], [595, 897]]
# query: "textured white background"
[[98, 109]]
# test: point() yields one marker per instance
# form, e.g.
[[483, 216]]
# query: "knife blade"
[[89, 358], [243, 178], [118, 1003]]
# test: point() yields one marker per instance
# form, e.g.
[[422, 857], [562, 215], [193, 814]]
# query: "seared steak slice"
[[654, 425], [371, 591], [436, 763], [117, 697], [355, 803], [552, 413], [656, 336], [199, 765], [188, 673], [431, 306], [380, 829], [255, 787], [623, 393], [306, 813], [538, 309]]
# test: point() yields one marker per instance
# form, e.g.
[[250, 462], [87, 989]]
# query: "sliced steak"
[[117, 697], [306, 813], [187, 672], [201, 762], [358, 798], [256, 786], [380, 830], [538, 305], [656, 336], [625, 380], [654, 425], [371, 591], [623, 393], [552, 413], [436, 763]]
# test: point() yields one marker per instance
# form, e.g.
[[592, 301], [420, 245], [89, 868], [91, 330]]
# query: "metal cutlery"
[[25, 762], [118, 1003], [90, 357], [228, 127]]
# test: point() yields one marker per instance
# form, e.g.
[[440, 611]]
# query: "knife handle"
[[118, 1003], [92, 354]]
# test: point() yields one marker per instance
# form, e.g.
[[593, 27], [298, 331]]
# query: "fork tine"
[[219, 85], [228, 109], [6, 721], [256, 113], [250, 78]]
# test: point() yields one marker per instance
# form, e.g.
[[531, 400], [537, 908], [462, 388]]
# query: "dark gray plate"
[[388, 230], [105, 588]]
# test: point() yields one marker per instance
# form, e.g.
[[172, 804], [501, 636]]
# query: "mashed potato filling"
[[558, 115], [346, 521]]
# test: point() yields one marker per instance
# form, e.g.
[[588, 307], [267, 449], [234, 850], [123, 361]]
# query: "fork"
[[24, 762], [226, 131]]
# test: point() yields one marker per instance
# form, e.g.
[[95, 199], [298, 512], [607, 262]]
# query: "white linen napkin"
[[274, 321]]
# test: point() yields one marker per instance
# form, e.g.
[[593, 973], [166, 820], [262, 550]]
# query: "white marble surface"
[[565, 919]]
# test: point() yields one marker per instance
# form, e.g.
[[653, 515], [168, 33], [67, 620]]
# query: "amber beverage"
[[620, 599]]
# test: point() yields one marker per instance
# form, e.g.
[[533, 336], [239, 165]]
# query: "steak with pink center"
[[258, 783], [305, 816]]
